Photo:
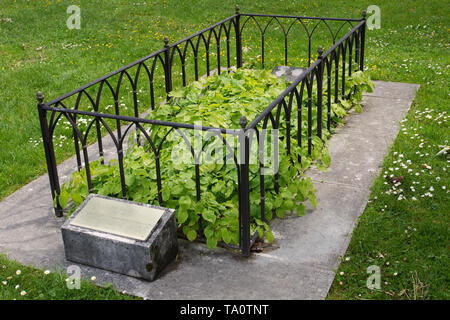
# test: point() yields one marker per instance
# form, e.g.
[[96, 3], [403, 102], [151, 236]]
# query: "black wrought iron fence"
[[215, 49]]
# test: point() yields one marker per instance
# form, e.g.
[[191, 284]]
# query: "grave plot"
[[228, 151]]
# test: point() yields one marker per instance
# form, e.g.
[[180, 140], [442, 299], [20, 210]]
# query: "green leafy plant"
[[355, 85], [217, 101]]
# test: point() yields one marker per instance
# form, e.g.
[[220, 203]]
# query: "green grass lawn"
[[21, 282], [409, 238], [405, 227]]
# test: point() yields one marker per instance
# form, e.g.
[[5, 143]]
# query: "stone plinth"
[[126, 237]]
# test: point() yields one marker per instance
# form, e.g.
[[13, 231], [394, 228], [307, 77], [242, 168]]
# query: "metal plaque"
[[118, 217]]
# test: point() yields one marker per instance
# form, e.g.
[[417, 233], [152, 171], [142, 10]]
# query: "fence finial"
[[166, 41], [40, 97], [243, 122], [364, 13], [237, 9], [320, 51]]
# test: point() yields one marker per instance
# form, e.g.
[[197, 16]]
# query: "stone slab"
[[142, 258]]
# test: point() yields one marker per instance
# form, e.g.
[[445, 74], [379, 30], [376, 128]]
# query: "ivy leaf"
[[280, 213], [185, 202], [77, 198], [182, 215], [278, 201], [226, 235], [288, 205], [326, 159], [260, 231], [209, 231], [317, 142], [165, 194], [300, 210], [305, 163], [63, 198], [292, 190], [177, 190], [312, 198], [259, 222], [321, 167], [208, 215], [345, 103], [316, 153], [179, 93], [130, 179], [304, 188], [211, 242], [269, 236], [191, 235]]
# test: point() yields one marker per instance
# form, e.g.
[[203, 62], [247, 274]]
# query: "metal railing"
[[198, 53]]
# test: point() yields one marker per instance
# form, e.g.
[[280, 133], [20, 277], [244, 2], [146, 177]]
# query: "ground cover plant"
[[217, 101]]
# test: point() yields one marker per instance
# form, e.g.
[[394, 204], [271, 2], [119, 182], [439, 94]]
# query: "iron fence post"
[[49, 155], [238, 39], [328, 65], [363, 41], [167, 67], [244, 196], [319, 91]]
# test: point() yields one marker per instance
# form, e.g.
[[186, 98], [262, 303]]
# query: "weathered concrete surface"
[[306, 250]]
